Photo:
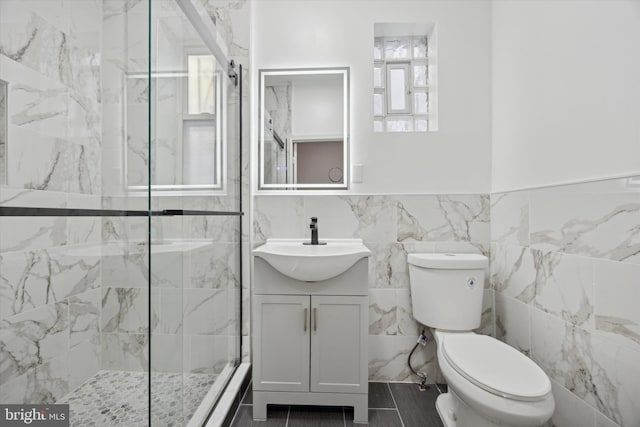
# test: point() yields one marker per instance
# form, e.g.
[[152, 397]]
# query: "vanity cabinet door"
[[339, 326], [281, 327]]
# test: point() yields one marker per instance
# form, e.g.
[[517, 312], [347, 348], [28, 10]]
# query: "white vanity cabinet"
[[310, 343], [281, 342], [338, 341], [310, 340]]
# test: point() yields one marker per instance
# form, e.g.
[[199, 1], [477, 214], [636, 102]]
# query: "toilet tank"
[[447, 289]]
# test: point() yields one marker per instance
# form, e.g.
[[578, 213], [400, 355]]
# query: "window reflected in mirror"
[[187, 139], [201, 84]]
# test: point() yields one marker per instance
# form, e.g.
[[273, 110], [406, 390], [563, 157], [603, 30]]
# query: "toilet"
[[490, 383]]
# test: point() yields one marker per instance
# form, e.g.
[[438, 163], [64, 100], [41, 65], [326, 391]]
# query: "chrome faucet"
[[314, 232]]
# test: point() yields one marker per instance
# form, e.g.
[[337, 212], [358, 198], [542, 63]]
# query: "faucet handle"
[[314, 219]]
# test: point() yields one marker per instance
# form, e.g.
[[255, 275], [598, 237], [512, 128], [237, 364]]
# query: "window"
[[398, 88], [403, 89]]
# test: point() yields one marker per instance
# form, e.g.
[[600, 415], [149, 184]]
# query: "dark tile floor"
[[390, 405]]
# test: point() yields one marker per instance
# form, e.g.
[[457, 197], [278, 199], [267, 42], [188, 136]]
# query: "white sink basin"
[[312, 263]]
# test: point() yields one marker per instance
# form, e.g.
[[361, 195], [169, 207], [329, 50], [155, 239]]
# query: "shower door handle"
[[305, 320]]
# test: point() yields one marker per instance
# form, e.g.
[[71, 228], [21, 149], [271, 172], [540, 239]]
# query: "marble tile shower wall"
[[277, 102], [392, 227], [565, 266], [194, 278], [195, 264], [3, 133], [65, 61], [49, 53], [125, 260], [232, 19], [49, 288]]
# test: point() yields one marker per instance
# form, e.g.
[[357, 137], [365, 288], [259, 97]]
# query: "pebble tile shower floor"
[[119, 398]]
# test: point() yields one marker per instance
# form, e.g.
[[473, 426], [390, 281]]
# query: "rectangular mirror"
[[304, 128]]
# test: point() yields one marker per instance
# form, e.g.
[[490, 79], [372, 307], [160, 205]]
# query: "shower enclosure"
[[121, 209]]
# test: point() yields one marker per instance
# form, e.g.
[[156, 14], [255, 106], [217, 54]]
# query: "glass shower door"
[[74, 241], [119, 212], [195, 237]]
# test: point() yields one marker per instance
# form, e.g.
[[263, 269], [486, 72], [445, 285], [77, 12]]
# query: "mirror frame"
[[345, 72]]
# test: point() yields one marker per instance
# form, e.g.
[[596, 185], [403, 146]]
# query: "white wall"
[[456, 158], [317, 109], [566, 91]]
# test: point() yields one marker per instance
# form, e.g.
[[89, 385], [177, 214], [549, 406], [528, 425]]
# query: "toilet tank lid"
[[449, 261]]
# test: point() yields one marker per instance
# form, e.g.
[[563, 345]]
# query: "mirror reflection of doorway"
[[318, 161]]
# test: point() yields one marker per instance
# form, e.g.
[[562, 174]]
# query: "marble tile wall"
[[277, 104], [49, 56], [194, 299], [565, 263], [73, 290], [123, 51], [194, 303], [195, 291], [49, 299], [392, 227], [49, 284], [232, 19], [3, 132]]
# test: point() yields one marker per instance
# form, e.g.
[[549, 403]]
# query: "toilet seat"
[[496, 367]]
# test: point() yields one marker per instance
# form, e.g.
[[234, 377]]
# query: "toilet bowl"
[[490, 383]]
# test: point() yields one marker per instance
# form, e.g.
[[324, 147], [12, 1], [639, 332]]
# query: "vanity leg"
[[361, 413], [259, 408]]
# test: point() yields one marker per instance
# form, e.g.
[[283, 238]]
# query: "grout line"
[[394, 402], [392, 396]]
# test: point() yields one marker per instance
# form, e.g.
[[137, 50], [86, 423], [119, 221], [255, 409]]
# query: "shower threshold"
[[120, 398]]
